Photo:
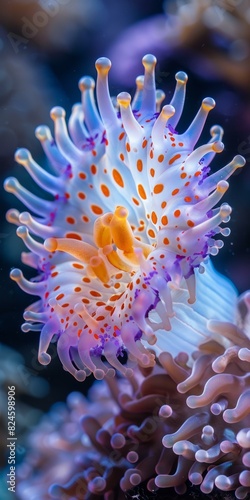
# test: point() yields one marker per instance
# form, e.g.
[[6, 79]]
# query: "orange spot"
[[177, 213], [118, 178], [74, 236], [105, 190], [81, 195], [164, 204], [162, 256], [113, 298], [172, 139], [160, 158], [96, 210], [152, 172], [65, 305], [70, 220], [94, 293], [121, 136], [136, 202], [154, 217], [197, 173], [183, 175], [86, 280], [188, 199], [175, 191], [174, 158], [144, 143], [128, 147], [53, 275], [139, 165], [158, 188], [151, 154], [122, 156], [187, 183], [94, 153], [93, 169], [60, 296], [79, 332], [85, 218], [56, 288], [46, 295], [77, 289], [164, 220], [180, 144], [82, 175], [67, 196], [190, 223], [141, 192], [86, 301], [151, 233], [100, 318], [166, 241], [77, 266]]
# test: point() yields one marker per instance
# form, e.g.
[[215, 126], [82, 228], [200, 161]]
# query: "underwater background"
[[45, 49]]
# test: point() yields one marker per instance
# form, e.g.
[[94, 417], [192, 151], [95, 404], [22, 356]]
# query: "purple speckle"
[[171, 129]]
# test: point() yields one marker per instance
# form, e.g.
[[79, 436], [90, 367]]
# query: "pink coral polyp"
[[132, 221]]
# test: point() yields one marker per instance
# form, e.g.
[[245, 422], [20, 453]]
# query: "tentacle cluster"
[[166, 427], [131, 222]]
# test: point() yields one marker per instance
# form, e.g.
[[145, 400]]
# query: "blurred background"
[[45, 47]]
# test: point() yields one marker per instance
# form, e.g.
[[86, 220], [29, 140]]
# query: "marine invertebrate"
[[129, 230], [167, 426]]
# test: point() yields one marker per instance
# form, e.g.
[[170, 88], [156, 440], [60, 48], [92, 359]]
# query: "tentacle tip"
[[225, 211], [86, 82], [239, 161], [218, 147], [181, 77], [208, 103], [42, 132], [22, 155], [24, 217], [50, 244], [44, 358], [99, 374], [168, 111], [16, 274], [80, 375], [222, 186], [12, 216], [10, 184], [124, 99], [57, 112], [216, 130], [139, 82], [103, 65], [149, 61], [22, 232]]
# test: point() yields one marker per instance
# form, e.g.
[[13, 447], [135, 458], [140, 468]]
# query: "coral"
[[128, 230], [165, 427], [212, 36]]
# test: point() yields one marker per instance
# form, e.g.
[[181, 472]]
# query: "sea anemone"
[[127, 235], [130, 227]]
